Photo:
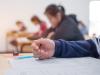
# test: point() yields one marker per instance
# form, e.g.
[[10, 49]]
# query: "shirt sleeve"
[[70, 49]]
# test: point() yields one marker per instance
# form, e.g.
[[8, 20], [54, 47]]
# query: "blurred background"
[[12, 10]]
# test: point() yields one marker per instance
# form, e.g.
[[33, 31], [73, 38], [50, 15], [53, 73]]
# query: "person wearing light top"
[[46, 48]]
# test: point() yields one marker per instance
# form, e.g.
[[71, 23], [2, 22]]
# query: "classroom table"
[[74, 66], [4, 62]]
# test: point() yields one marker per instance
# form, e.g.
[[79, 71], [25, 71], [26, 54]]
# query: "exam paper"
[[55, 66]]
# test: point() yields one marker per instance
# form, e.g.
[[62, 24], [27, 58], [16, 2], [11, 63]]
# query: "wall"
[[12, 10]]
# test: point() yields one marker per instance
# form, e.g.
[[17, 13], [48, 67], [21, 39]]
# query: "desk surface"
[[83, 66], [4, 63]]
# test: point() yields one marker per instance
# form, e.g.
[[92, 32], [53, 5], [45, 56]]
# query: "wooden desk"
[[4, 63]]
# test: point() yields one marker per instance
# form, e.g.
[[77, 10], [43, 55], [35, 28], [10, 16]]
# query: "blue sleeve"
[[70, 49]]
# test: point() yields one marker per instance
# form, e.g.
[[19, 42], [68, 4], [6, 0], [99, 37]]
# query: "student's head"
[[21, 25], [55, 14], [35, 20]]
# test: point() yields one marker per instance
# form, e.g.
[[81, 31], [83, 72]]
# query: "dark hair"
[[35, 18], [61, 8], [54, 9]]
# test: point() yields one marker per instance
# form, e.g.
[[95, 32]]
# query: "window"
[[94, 18]]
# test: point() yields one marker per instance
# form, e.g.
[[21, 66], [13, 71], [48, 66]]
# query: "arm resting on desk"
[[69, 49]]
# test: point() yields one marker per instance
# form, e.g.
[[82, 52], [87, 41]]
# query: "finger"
[[38, 42], [42, 41], [35, 54], [35, 49], [39, 53], [43, 54], [35, 46]]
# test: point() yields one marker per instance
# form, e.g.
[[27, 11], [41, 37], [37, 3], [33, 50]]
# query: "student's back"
[[67, 30]]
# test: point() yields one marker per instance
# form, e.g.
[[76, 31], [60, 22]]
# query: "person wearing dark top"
[[63, 26], [74, 17]]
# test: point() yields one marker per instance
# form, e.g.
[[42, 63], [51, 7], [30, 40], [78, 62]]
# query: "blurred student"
[[82, 27], [43, 26], [21, 26], [63, 27], [20, 31], [66, 49]]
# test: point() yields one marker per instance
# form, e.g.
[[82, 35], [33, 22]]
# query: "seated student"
[[20, 31], [46, 48], [43, 27], [63, 27], [21, 26], [30, 36]]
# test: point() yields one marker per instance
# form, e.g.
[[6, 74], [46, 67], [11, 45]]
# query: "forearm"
[[69, 49]]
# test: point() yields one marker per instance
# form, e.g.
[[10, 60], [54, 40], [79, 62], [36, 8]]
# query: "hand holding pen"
[[43, 48]]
